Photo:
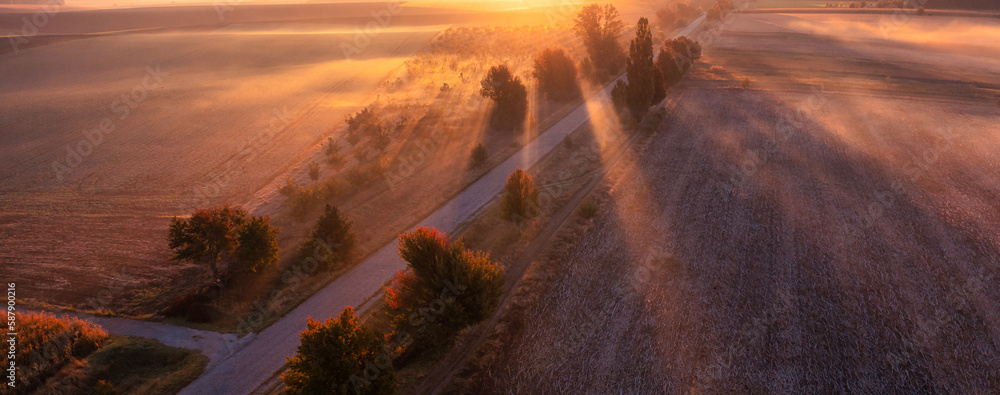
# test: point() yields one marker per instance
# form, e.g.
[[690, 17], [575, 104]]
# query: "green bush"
[[520, 202], [332, 242], [340, 356], [508, 94], [444, 288]]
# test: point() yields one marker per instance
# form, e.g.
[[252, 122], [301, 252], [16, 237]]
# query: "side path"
[[216, 346]]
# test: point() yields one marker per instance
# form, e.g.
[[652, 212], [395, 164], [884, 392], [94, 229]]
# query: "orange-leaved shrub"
[[46, 343], [444, 288]]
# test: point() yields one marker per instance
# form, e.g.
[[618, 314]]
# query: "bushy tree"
[[676, 15], [556, 74], [600, 29], [257, 243], [444, 288], [722, 7], [225, 240], [331, 242], [340, 356], [521, 198], [639, 68], [676, 58], [508, 94], [618, 95]]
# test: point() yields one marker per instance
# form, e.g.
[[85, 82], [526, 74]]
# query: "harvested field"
[[240, 107], [822, 230], [190, 119]]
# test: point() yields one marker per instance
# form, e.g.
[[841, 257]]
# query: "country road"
[[259, 356], [259, 359]]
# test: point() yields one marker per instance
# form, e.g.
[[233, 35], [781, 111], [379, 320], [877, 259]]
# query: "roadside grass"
[[129, 365]]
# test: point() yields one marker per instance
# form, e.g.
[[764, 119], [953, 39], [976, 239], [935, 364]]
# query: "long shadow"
[[790, 280]]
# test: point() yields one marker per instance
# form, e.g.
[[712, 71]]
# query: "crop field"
[[106, 138], [792, 228], [216, 115]]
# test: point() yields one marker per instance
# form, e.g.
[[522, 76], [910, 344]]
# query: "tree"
[[676, 58], [444, 288], [556, 74], [258, 244], [509, 95], [479, 155], [600, 29], [225, 240], [521, 200], [722, 7], [618, 95], [331, 242], [339, 356], [639, 68]]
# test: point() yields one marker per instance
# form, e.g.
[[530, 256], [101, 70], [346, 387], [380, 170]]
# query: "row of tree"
[[649, 77], [444, 289]]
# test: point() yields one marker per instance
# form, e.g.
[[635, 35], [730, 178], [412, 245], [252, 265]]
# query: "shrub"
[[444, 288], [192, 306], [508, 94], [920, 10], [333, 156], [289, 188], [745, 83], [618, 95], [333, 357], [332, 241], [104, 387], [357, 175], [46, 344], [380, 137], [225, 240], [588, 209], [257, 243], [314, 171], [721, 8], [479, 155], [520, 201], [676, 58], [556, 74]]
